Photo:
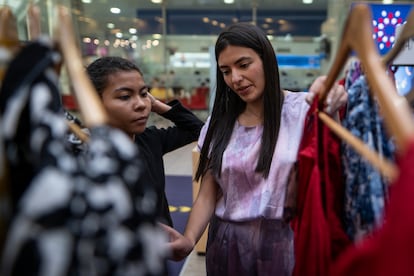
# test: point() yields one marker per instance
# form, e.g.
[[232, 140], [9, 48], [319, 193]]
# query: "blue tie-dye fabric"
[[365, 188]]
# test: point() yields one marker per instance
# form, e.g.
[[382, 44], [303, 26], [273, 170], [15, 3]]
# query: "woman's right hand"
[[180, 246]]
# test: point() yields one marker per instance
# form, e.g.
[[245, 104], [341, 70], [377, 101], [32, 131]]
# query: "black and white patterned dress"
[[71, 214]]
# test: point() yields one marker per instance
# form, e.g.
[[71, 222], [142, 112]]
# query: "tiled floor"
[[179, 162]]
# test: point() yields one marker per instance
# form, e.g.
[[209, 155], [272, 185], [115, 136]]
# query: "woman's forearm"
[[203, 208]]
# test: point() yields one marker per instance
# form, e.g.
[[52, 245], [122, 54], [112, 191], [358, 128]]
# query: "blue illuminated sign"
[[299, 61], [385, 19]]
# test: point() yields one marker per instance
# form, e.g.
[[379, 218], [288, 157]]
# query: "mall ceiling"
[[186, 16], [191, 17]]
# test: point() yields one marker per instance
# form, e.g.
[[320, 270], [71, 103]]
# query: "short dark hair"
[[99, 70]]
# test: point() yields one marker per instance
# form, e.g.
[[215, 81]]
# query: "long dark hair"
[[228, 105]]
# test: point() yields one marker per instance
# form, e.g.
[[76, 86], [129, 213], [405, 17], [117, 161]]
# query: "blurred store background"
[[172, 40]]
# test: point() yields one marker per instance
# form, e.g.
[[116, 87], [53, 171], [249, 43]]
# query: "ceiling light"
[[307, 1], [228, 1], [115, 10], [387, 1], [110, 25], [87, 1], [156, 1], [132, 30]]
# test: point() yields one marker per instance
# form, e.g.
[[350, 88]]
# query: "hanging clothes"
[[366, 190], [353, 72], [72, 215], [389, 250], [318, 230]]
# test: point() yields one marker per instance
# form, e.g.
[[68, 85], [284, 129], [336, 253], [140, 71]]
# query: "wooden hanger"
[[90, 105], [33, 22], [78, 132], [357, 36], [384, 166], [405, 35], [34, 31], [9, 39]]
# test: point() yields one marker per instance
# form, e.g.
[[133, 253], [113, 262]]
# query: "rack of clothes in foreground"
[[67, 214], [354, 184], [84, 215]]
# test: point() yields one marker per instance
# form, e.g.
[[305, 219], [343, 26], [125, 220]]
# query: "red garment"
[[390, 250], [318, 233]]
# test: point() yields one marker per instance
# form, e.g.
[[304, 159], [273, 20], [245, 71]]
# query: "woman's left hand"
[[336, 98], [180, 247]]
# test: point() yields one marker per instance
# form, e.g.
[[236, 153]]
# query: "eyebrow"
[[124, 88], [241, 59]]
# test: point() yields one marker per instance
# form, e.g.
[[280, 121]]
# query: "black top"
[[155, 142]]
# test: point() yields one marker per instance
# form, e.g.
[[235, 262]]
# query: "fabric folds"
[[72, 215], [318, 230]]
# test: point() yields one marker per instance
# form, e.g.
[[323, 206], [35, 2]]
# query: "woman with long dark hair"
[[248, 147]]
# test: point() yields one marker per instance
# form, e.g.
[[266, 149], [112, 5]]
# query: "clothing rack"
[[48, 166], [357, 35], [388, 251]]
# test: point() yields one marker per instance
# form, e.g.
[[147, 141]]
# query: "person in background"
[[248, 147], [127, 99]]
